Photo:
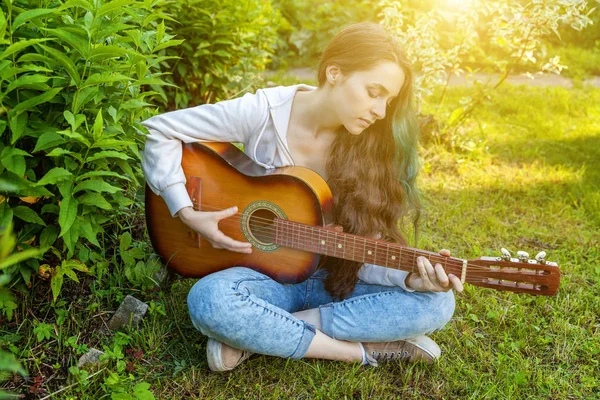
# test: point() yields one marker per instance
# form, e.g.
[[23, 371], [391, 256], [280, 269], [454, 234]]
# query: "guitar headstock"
[[521, 275]]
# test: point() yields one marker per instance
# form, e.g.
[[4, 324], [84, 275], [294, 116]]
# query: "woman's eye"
[[373, 95]]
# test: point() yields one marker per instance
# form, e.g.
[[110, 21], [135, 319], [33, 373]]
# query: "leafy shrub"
[[309, 25], [8, 362], [227, 43], [74, 82]]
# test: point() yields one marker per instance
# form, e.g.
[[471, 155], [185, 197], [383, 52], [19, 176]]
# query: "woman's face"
[[362, 97]]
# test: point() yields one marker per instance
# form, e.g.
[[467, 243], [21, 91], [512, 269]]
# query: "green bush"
[[309, 25], [227, 44], [74, 83]]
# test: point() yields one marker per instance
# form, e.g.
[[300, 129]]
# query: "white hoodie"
[[259, 121]]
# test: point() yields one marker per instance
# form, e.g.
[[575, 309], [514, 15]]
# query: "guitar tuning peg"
[[523, 256], [541, 257], [505, 254]]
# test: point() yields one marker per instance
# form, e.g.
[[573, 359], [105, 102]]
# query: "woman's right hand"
[[206, 223]]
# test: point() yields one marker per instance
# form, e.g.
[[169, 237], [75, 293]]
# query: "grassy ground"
[[530, 181]]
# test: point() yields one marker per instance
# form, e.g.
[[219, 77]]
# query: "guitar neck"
[[356, 248]]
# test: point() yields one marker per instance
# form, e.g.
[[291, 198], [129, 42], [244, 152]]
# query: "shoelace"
[[386, 355]]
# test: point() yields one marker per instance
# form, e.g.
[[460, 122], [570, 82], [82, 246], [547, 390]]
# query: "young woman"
[[359, 131]]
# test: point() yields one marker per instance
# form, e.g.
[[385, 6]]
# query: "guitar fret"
[[375, 256], [353, 247], [387, 254], [414, 260], [364, 249]]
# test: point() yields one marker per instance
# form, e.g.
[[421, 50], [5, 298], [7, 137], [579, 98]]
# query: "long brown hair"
[[372, 175]]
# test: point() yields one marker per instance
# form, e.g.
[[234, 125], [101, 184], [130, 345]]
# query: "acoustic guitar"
[[287, 215]]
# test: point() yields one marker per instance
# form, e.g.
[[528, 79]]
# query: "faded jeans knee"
[[445, 309]]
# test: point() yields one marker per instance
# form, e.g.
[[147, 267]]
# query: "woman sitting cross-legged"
[[359, 131]]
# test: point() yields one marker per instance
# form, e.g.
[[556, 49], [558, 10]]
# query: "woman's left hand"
[[433, 279]]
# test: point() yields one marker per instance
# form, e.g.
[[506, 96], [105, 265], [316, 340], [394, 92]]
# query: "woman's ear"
[[333, 74]]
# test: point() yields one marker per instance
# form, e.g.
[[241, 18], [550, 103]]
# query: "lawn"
[[525, 175]]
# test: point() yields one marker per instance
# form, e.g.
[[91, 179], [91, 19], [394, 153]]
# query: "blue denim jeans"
[[250, 311]]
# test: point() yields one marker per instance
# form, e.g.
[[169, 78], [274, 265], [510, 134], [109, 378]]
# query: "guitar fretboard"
[[352, 247]]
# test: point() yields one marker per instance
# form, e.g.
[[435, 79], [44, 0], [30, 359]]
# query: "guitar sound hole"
[[262, 226]]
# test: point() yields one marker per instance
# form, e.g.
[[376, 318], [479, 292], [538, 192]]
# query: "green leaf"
[[18, 257], [71, 274], [456, 114], [125, 242], [28, 215], [28, 82], [48, 237], [65, 62], [87, 231], [6, 216], [96, 186], [10, 363], [56, 284], [107, 154], [113, 6], [101, 173], [34, 101], [85, 96], [74, 120], [94, 199], [98, 126], [70, 238], [29, 15], [135, 104], [222, 53], [168, 43], [13, 160], [76, 41], [141, 391], [111, 51], [17, 125], [137, 253], [105, 77], [68, 212], [58, 152], [76, 136], [77, 3], [56, 174], [47, 140], [112, 143], [16, 47], [2, 27]]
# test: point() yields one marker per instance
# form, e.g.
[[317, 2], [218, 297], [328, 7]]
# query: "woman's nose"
[[379, 110]]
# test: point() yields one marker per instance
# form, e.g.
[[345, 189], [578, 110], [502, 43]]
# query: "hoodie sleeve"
[[378, 275], [226, 121]]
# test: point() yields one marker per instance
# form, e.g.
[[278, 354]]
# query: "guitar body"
[[220, 176]]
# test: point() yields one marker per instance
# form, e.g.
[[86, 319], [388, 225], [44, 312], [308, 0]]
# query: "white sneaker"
[[222, 357], [420, 348]]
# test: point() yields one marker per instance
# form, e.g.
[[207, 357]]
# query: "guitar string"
[[455, 263], [297, 236]]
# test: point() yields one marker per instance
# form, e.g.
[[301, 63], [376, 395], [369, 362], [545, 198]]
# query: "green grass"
[[531, 181]]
